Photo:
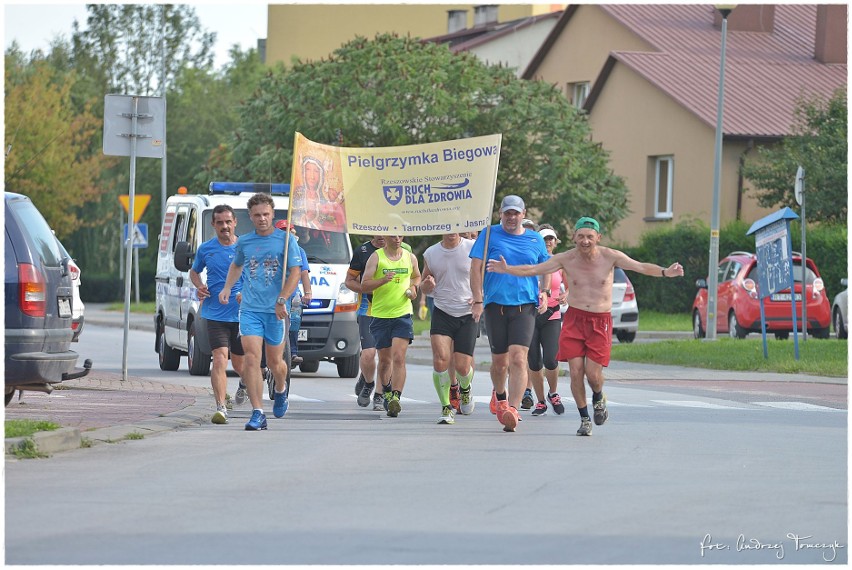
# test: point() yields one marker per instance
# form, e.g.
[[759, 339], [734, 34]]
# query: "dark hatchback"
[[38, 303]]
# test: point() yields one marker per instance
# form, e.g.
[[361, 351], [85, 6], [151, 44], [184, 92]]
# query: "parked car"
[[625, 309], [738, 302], [77, 306], [38, 298], [840, 310]]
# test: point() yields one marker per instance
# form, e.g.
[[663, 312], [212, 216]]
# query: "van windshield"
[[320, 246]]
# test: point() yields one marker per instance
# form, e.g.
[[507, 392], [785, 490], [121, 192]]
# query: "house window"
[[663, 183], [579, 93]]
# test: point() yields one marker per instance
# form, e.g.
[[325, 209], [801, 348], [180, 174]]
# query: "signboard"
[[774, 265], [140, 235], [140, 202], [150, 125]]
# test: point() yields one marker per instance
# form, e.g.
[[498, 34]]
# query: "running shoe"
[[257, 421], [502, 406], [296, 360], [540, 409], [493, 404], [359, 385], [556, 402], [378, 403], [467, 403], [509, 418], [601, 414], [394, 407], [229, 404], [279, 408], [585, 427], [448, 415], [220, 416], [240, 396], [364, 395], [527, 401], [455, 397], [387, 393]]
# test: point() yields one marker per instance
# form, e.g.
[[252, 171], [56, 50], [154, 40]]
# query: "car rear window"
[[39, 234], [618, 275], [797, 273]]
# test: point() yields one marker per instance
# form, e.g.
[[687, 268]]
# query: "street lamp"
[[712, 271]]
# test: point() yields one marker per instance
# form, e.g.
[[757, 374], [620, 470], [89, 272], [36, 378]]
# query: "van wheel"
[[838, 324], [309, 366], [169, 357], [10, 393], [199, 363], [348, 367], [624, 336]]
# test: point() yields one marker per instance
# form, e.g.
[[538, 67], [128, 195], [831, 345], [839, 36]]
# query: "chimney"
[[830, 44], [456, 20], [748, 18], [484, 15]]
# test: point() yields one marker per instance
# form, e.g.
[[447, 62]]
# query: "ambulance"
[[329, 330]]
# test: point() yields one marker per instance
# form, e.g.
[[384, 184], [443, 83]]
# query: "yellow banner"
[[425, 189]]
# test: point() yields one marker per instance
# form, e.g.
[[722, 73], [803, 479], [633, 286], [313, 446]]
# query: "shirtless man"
[[586, 337]]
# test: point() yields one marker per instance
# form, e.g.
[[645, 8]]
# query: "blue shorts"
[[367, 340], [265, 325], [385, 330]]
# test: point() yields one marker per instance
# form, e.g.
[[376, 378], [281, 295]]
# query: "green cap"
[[587, 222]]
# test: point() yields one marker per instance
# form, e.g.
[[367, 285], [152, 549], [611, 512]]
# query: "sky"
[[34, 24]]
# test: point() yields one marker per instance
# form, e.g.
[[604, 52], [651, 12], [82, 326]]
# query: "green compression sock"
[[442, 386], [464, 381]]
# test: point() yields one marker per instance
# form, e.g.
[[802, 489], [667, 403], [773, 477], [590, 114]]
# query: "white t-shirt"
[[451, 270]]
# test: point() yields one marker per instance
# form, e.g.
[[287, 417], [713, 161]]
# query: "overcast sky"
[[33, 24]]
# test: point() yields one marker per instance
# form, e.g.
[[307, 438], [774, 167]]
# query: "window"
[[579, 92], [663, 180]]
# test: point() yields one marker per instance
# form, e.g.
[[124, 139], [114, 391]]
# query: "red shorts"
[[585, 334]]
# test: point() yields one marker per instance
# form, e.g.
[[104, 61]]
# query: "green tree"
[[819, 144], [398, 91], [49, 156], [131, 47]]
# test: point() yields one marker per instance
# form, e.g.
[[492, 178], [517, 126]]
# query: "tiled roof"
[[765, 73]]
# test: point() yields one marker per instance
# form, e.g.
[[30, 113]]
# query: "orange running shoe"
[[493, 405], [510, 419]]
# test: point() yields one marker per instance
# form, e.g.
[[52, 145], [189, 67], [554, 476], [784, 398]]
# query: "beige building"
[[647, 75], [314, 31]]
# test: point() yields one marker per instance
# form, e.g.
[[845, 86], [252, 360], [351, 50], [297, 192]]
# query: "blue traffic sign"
[[140, 235]]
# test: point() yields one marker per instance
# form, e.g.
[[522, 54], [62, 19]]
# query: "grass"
[[148, 307], [25, 428], [27, 450], [655, 321], [816, 357]]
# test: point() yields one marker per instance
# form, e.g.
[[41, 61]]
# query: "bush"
[[110, 288], [688, 243]]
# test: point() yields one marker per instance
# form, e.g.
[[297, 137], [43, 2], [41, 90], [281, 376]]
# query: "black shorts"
[[225, 335], [463, 330], [367, 340], [509, 324]]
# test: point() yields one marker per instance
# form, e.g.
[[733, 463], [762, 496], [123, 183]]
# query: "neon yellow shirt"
[[389, 300]]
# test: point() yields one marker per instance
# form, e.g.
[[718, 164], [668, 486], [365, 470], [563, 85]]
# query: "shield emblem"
[[393, 194]]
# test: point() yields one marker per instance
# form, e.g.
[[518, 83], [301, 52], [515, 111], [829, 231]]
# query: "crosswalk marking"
[[695, 404], [734, 406], [798, 406]]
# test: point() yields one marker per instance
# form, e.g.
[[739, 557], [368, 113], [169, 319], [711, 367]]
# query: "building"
[[314, 31], [512, 44], [647, 75]]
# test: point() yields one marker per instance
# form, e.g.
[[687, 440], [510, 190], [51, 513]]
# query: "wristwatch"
[[282, 300]]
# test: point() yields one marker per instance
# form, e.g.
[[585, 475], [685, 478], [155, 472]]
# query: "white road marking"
[[798, 406], [695, 404]]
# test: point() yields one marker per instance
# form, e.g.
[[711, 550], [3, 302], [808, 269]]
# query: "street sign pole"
[[129, 243], [800, 197]]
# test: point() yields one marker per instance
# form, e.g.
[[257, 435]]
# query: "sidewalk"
[[101, 408]]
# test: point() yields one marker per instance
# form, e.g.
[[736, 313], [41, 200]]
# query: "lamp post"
[[712, 271]]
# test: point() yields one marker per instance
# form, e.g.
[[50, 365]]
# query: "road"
[[687, 474]]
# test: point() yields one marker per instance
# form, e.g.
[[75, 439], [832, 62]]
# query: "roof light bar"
[[239, 187]]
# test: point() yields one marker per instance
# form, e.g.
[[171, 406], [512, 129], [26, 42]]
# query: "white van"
[[329, 330]]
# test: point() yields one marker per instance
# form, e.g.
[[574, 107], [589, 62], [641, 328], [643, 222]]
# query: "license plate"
[[785, 297], [303, 334], [64, 308]]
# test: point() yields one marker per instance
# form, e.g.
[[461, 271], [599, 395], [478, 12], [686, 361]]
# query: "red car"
[[738, 304]]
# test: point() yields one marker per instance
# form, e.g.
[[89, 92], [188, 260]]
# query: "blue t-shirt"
[[525, 249], [262, 258], [217, 258], [305, 267]]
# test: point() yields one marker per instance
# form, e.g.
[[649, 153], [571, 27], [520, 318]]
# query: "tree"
[[819, 144], [398, 91], [123, 45], [49, 153]]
